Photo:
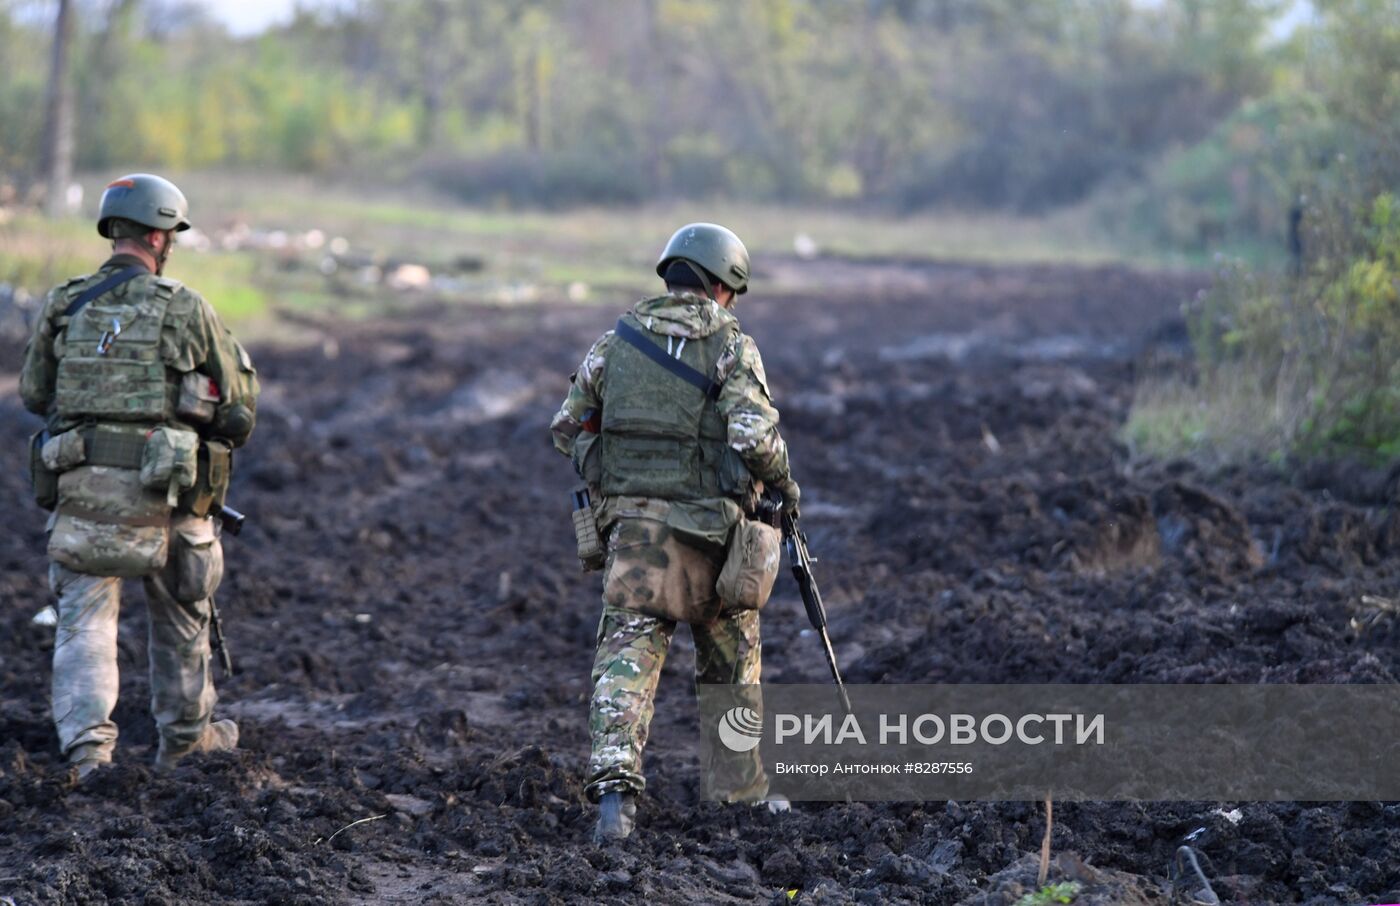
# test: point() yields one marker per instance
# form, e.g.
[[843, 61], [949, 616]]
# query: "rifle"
[[232, 522], [801, 560], [216, 638], [231, 519]]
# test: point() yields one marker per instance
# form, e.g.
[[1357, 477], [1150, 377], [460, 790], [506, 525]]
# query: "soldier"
[[144, 393], [673, 460]]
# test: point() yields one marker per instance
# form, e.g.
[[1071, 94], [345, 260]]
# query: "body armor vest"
[[110, 366], [661, 436]]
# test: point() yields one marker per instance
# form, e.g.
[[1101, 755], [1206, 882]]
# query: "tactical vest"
[[661, 436], [110, 366]]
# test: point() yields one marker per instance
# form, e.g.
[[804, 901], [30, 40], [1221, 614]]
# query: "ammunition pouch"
[[751, 566], [591, 551], [43, 479], [214, 469]]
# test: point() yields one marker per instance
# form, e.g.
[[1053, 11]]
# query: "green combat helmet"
[[145, 199], [712, 247]]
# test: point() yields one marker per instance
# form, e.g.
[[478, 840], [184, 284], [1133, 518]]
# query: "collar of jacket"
[[123, 260], [682, 314]]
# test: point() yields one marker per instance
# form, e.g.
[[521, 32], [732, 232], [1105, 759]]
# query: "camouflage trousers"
[[85, 679], [632, 647]]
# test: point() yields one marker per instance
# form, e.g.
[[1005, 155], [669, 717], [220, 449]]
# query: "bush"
[[1284, 366]]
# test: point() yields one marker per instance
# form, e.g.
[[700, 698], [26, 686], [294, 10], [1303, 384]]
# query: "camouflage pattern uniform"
[[664, 555], [120, 522]]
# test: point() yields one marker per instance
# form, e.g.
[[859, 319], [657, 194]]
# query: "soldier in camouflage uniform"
[[144, 393], [673, 462]]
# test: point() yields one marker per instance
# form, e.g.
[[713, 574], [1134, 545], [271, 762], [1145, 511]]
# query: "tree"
[[58, 131]]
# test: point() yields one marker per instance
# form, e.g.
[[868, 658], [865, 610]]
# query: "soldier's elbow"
[[37, 403]]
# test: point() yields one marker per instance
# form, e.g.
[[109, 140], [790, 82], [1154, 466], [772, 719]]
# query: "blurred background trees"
[[906, 103]]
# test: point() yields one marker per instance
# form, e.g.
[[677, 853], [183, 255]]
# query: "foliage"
[[909, 103], [1308, 363], [1051, 894]]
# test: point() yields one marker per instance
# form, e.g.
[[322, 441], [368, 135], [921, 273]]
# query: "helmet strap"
[[161, 256], [699, 273]]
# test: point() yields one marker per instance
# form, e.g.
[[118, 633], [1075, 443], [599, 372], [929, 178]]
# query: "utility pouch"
[[591, 552], [43, 479], [196, 563], [736, 481], [199, 397], [170, 461], [66, 451], [108, 524], [212, 476], [751, 566]]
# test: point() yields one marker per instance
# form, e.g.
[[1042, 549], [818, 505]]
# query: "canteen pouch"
[[591, 552], [211, 478], [199, 396], [170, 461], [751, 566], [43, 479]]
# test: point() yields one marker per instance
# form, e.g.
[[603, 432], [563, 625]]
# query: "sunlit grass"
[[225, 280], [1227, 419], [502, 256]]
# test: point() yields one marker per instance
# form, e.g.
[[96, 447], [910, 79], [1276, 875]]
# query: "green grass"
[[37, 253], [226, 280], [1227, 419], [1051, 894], [534, 254]]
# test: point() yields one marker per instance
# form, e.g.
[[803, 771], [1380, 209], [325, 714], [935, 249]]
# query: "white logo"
[[741, 729]]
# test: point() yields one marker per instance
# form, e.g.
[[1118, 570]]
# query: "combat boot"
[[617, 812], [219, 736], [87, 759]]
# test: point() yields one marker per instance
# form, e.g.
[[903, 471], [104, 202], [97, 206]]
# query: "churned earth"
[[412, 636]]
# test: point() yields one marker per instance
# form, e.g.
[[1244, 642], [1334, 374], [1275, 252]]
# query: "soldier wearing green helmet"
[[144, 394], [670, 423]]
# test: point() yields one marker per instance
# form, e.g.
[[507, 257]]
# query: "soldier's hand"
[[792, 495]]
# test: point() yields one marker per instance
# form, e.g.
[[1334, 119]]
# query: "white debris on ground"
[[46, 617], [410, 277], [341, 263], [805, 247]]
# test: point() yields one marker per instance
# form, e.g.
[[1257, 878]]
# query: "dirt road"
[[413, 638]]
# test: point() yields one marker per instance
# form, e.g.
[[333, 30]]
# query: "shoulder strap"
[[680, 369], [111, 283]]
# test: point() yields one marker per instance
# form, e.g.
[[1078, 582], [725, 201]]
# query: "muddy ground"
[[413, 637]]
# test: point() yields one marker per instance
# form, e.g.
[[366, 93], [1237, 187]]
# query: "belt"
[[82, 512]]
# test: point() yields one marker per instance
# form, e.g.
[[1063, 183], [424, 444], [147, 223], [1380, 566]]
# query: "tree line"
[[906, 103]]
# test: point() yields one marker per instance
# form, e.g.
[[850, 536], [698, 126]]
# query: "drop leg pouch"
[[751, 566]]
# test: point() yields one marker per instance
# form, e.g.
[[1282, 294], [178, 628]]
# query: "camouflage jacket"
[[192, 339], [745, 402]]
